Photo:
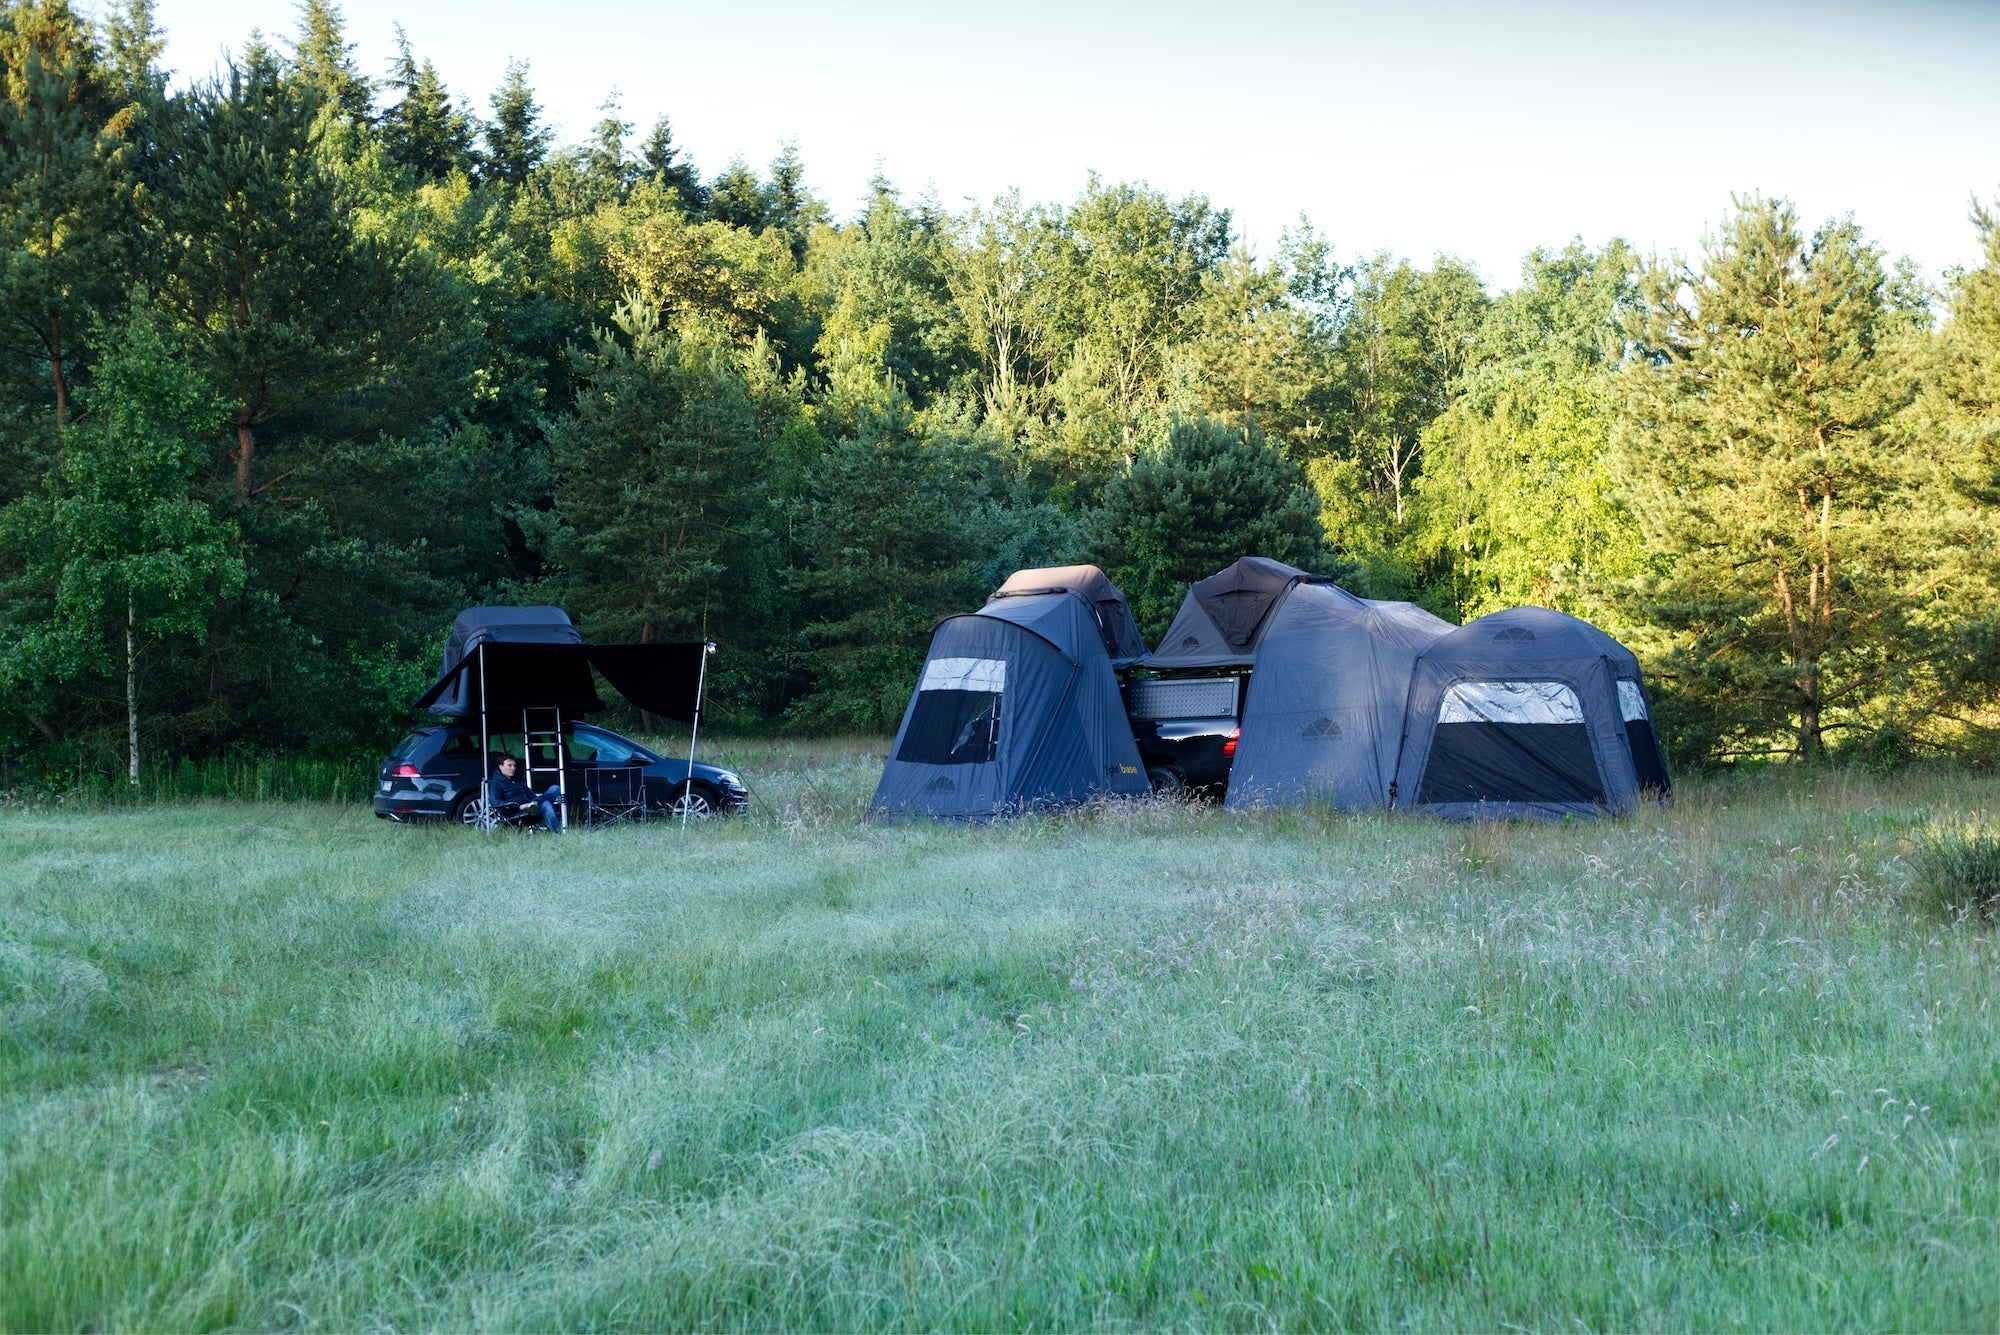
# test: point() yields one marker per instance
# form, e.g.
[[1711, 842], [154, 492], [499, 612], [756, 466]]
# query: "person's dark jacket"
[[506, 792]]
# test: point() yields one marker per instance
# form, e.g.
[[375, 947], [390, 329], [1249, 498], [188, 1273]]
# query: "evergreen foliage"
[[453, 360], [1811, 560], [516, 139], [425, 130], [1207, 494]]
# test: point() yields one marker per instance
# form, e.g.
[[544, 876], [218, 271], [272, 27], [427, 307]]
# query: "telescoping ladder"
[[546, 763]]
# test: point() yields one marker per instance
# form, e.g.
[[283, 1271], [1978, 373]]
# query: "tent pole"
[[485, 760], [694, 731]]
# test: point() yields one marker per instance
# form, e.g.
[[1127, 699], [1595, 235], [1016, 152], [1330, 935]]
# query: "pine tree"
[[258, 251], [516, 140], [424, 130], [1207, 494], [325, 58], [888, 548], [662, 163], [787, 203], [736, 198], [65, 191], [133, 43], [1812, 567], [658, 495], [604, 157]]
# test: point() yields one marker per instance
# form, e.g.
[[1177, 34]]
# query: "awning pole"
[[694, 731]]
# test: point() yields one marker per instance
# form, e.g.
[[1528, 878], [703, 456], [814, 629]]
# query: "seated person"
[[510, 797]]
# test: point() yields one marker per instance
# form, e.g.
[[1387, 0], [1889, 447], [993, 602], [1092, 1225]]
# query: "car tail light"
[[408, 771], [1229, 747]]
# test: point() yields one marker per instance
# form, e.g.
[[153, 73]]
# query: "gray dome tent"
[[1527, 712], [1017, 707], [1223, 616], [1323, 717]]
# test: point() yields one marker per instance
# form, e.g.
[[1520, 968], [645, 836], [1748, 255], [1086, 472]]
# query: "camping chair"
[[614, 794]]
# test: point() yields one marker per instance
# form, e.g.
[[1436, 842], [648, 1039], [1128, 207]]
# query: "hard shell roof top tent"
[[1223, 616], [1527, 712], [1017, 707], [500, 661], [1107, 604], [1323, 717]]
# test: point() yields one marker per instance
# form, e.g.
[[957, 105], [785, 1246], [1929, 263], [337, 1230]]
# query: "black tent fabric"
[[502, 625], [1527, 712], [1223, 616], [661, 679], [1107, 603], [533, 658], [501, 674], [1017, 707], [1323, 717]]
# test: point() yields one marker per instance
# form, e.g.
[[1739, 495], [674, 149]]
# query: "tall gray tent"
[[1323, 717], [1527, 712], [1017, 707]]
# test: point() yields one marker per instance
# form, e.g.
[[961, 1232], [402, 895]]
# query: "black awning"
[[659, 678]]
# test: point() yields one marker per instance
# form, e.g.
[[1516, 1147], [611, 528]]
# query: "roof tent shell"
[[1528, 712], [1017, 707], [1323, 717], [1223, 616], [1106, 600]]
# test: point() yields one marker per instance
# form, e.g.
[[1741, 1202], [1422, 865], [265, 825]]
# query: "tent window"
[[1512, 741], [1632, 702], [965, 674], [957, 716], [1511, 702], [952, 728]]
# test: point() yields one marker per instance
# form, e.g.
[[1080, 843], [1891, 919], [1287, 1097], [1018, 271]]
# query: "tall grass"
[[1138, 1066], [261, 778], [1957, 871]]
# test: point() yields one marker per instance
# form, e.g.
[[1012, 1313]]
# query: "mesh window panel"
[[1512, 762], [1646, 761], [952, 728]]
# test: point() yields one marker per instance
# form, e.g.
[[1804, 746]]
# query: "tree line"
[[298, 360]]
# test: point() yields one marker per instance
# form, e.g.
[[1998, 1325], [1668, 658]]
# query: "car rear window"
[[409, 746]]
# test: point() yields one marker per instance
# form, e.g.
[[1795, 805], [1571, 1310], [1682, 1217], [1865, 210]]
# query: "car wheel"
[[692, 802], [1166, 781], [471, 812]]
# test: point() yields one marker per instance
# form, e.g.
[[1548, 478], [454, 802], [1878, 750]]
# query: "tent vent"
[[1321, 727], [1516, 633]]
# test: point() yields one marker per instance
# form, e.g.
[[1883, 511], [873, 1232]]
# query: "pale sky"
[[1477, 129]]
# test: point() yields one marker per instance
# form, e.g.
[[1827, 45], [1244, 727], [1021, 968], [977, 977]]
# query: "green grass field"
[[282, 1065]]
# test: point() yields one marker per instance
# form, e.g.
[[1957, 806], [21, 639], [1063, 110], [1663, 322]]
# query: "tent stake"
[[694, 732]]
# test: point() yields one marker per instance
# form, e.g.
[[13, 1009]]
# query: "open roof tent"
[[1223, 617], [1107, 604], [1018, 706]]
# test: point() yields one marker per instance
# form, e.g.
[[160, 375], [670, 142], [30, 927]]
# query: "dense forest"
[[299, 359]]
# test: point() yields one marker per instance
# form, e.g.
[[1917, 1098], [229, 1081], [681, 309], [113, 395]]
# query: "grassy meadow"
[[283, 1065]]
